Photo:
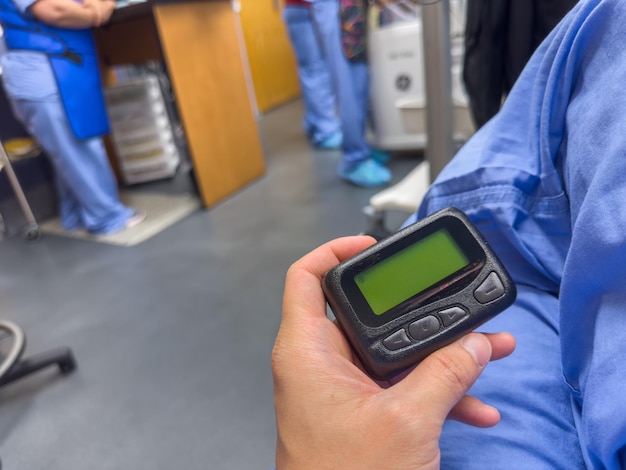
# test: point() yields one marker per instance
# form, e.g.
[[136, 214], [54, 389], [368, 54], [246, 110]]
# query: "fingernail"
[[479, 347]]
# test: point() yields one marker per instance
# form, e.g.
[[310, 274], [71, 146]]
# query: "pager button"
[[396, 341], [491, 289], [424, 328], [451, 315]]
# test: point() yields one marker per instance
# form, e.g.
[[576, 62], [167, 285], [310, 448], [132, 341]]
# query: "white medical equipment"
[[440, 127], [398, 79]]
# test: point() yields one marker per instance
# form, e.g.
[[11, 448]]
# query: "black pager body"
[[416, 291]]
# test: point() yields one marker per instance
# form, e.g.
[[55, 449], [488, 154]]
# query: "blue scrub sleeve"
[[593, 289]]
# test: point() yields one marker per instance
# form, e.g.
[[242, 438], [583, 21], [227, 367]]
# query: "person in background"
[[360, 164], [321, 123], [50, 73]]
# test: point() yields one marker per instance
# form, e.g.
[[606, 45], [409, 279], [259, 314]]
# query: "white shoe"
[[135, 219]]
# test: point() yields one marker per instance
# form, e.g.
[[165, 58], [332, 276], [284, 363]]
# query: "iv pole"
[[438, 75]]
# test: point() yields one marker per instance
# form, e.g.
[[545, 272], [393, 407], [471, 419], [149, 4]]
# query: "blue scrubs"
[[85, 183], [544, 181], [320, 108], [351, 82]]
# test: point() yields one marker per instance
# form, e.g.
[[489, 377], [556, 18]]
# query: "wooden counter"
[[199, 42]]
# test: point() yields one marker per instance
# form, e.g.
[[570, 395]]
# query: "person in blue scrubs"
[[51, 76], [544, 182], [359, 164], [321, 122]]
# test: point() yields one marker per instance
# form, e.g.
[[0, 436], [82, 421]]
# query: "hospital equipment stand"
[[438, 75], [31, 230]]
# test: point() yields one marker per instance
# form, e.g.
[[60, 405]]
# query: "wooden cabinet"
[[199, 42], [271, 58]]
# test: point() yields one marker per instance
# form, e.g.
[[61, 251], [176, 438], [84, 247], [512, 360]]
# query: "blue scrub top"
[[545, 181], [27, 75]]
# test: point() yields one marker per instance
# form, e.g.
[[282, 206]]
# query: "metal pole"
[[438, 75], [17, 189]]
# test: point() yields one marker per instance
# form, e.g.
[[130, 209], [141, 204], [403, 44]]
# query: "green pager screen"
[[410, 271]]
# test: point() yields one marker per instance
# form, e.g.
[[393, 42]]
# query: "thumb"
[[445, 376]]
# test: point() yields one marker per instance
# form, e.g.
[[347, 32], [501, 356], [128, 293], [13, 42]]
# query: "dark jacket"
[[500, 37]]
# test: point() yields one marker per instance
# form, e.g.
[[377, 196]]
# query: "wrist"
[[93, 11]]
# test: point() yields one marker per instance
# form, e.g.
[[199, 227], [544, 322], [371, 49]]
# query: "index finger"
[[303, 291]]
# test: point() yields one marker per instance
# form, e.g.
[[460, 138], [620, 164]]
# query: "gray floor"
[[173, 337]]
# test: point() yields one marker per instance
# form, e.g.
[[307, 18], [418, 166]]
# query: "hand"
[[331, 415], [101, 10], [107, 9]]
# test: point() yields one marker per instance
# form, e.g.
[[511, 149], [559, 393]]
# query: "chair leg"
[[375, 223], [62, 357]]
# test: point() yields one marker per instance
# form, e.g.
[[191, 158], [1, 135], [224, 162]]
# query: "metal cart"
[[31, 230]]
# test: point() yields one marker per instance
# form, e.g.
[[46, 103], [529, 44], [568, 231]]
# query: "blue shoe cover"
[[367, 174], [332, 142], [381, 157]]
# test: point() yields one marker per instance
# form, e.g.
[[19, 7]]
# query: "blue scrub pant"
[[537, 430], [351, 82], [320, 107], [86, 185]]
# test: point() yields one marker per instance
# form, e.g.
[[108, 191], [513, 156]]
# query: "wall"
[[272, 63]]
